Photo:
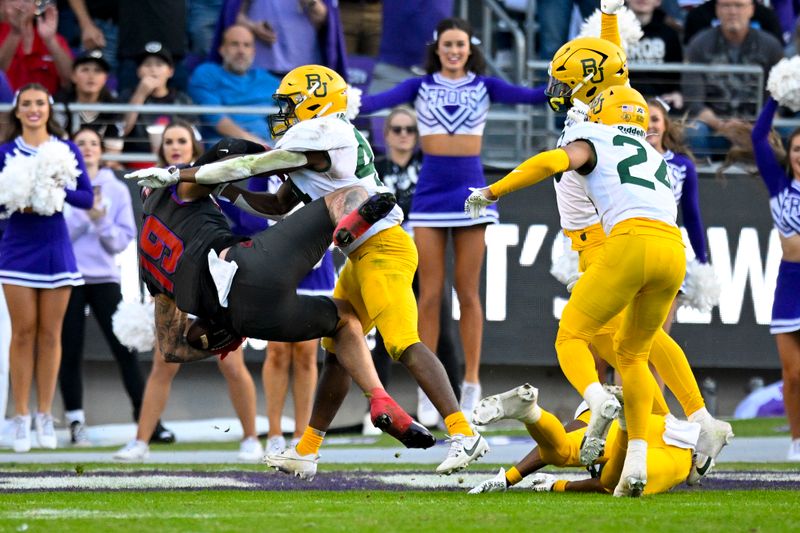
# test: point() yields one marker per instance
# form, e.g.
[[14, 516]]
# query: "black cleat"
[[414, 436]]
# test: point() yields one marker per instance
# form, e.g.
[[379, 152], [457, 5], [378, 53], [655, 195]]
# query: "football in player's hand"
[[212, 337]]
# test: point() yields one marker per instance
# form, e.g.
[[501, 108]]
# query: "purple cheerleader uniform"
[[36, 250], [450, 107], [784, 201]]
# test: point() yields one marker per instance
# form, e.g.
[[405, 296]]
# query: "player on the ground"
[[643, 262], [669, 458], [193, 263], [377, 277]]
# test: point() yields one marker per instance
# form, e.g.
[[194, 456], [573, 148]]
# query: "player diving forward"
[[378, 274], [192, 263], [643, 261], [669, 457]]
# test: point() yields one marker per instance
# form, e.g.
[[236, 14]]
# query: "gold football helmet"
[[620, 106], [582, 68], [307, 92]]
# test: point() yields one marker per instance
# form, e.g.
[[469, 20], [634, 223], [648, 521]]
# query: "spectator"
[[90, 86], [155, 67], [38, 271], [553, 18], [235, 83], [399, 170], [147, 21], [660, 44], [30, 49], [362, 21], [201, 22], [287, 36], [719, 99], [706, 16], [97, 236], [180, 147], [330, 34], [91, 25]]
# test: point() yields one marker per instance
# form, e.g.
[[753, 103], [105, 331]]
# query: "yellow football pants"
[[640, 270], [376, 281]]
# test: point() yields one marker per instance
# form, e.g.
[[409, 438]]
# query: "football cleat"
[[634, 474], [594, 439], [497, 484], [290, 462], [390, 418], [355, 224], [701, 465], [517, 404], [630, 486], [463, 451], [714, 435]]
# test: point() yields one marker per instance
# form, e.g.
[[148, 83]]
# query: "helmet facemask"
[[285, 118]]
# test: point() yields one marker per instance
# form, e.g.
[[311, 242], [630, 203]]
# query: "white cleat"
[[630, 486], [496, 484], [45, 432], [250, 450], [135, 450], [594, 439], [701, 465], [290, 462], [634, 475], [463, 451], [714, 435], [516, 404]]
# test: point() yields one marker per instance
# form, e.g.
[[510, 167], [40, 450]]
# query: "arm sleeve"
[[116, 230], [505, 93], [609, 29], [404, 93], [82, 197], [532, 171], [690, 209], [768, 165]]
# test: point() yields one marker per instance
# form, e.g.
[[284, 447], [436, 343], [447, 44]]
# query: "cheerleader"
[[37, 270], [452, 101]]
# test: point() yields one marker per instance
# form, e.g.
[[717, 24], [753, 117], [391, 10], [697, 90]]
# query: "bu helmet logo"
[[316, 86], [591, 68]]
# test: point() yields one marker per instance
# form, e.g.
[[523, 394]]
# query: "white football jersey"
[[574, 207], [630, 178], [352, 163]]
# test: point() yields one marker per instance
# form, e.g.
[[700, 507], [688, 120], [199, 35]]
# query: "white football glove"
[[476, 203], [610, 7], [155, 177], [543, 482], [577, 113], [353, 102], [573, 279]]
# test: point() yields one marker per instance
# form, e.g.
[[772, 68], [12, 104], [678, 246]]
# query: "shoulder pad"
[[318, 134], [582, 130]]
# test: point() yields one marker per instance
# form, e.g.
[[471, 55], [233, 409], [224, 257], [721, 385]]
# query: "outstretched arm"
[[262, 204], [171, 325]]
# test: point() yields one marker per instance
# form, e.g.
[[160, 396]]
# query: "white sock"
[[595, 395], [76, 415], [533, 415], [699, 415]]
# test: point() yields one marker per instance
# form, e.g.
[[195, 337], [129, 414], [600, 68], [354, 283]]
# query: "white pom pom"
[[701, 289], [630, 30], [134, 325], [783, 83], [353, 102], [56, 169], [565, 267], [17, 181]]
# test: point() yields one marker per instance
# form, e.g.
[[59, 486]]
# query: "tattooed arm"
[[343, 201], [171, 324]]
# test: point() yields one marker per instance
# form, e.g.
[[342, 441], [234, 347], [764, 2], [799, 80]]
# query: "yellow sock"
[[310, 442], [513, 476], [670, 361], [560, 485], [457, 423]]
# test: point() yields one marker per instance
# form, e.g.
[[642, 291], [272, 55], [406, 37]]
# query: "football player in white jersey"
[[643, 261], [322, 151]]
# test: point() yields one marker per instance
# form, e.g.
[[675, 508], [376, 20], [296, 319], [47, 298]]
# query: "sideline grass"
[[695, 511]]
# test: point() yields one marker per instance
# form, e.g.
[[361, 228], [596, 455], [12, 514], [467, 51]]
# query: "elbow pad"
[[532, 171], [242, 167]]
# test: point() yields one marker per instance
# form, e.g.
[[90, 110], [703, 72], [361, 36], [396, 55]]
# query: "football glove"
[[155, 177], [610, 7], [573, 279], [543, 482], [476, 203]]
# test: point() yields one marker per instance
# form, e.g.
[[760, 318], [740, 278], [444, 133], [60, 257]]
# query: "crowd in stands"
[[234, 53]]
